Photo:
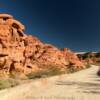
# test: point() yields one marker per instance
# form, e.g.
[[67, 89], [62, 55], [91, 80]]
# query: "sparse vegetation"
[[50, 71], [88, 65], [7, 83]]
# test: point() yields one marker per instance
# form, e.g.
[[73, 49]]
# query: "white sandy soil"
[[82, 85]]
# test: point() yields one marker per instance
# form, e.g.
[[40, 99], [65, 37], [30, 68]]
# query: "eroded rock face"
[[25, 53], [90, 57]]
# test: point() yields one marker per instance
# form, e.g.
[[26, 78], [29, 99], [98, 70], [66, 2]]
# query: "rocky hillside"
[[25, 54], [90, 57]]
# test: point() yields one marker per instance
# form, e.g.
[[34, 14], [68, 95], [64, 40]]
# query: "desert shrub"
[[51, 70], [72, 69], [88, 65], [96, 63], [7, 83]]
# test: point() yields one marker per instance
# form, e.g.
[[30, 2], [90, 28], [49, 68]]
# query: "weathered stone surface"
[[16, 24], [26, 54], [5, 16], [90, 57], [72, 58]]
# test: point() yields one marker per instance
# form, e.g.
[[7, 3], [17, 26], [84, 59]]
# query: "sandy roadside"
[[82, 85]]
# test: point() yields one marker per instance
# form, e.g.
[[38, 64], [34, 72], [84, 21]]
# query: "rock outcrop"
[[25, 53], [90, 57]]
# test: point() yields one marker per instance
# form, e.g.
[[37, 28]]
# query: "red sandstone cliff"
[[25, 53]]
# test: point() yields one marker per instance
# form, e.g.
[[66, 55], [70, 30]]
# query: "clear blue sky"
[[74, 24]]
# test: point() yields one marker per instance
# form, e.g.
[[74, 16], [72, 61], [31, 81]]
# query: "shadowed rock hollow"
[[26, 54]]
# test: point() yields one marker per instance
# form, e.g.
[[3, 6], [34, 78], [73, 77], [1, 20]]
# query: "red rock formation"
[[90, 57], [24, 53]]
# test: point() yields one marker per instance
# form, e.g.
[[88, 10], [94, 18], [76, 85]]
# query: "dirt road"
[[82, 85]]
